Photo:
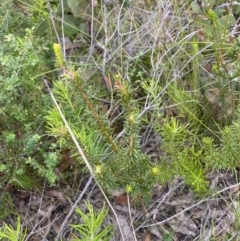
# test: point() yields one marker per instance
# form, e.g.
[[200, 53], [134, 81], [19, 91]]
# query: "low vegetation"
[[139, 95]]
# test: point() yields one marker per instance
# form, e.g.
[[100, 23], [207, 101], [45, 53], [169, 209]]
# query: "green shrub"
[[113, 143], [23, 100], [117, 157], [114, 160]]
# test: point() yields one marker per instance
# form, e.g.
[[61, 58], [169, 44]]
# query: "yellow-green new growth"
[[155, 171], [129, 189], [212, 15], [98, 169], [58, 54]]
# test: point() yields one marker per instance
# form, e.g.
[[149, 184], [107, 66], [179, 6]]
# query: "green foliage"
[[91, 227], [225, 155], [181, 157], [8, 233], [182, 84], [114, 160], [75, 15], [200, 104], [168, 237], [38, 13], [215, 46], [6, 204], [23, 58]]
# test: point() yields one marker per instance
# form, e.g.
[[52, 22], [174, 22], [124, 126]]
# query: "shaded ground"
[[173, 214]]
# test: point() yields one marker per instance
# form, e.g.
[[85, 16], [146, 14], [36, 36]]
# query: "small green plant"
[[8, 233], [168, 237], [226, 154], [215, 46], [114, 160], [91, 228]]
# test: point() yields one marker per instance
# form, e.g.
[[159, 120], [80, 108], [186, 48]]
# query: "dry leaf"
[[58, 194], [148, 237], [122, 199], [126, 230], [118, 192], [56, 226], [107, 82], [47, 214], [66, 160], [181, 229], [155, 231]]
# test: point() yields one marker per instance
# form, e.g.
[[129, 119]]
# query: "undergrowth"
[[138, 99], [171, 67], [24, 59]]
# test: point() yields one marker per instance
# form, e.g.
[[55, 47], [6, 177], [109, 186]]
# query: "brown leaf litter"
[[174, 211]]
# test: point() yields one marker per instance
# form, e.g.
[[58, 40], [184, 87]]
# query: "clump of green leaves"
[[181, 157], [214, 54], [226, 154], [91, 227], [8, 233], [23, 59]]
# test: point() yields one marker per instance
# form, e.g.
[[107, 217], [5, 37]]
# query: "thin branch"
[[53, 23], [185, 210], [65, 222]]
